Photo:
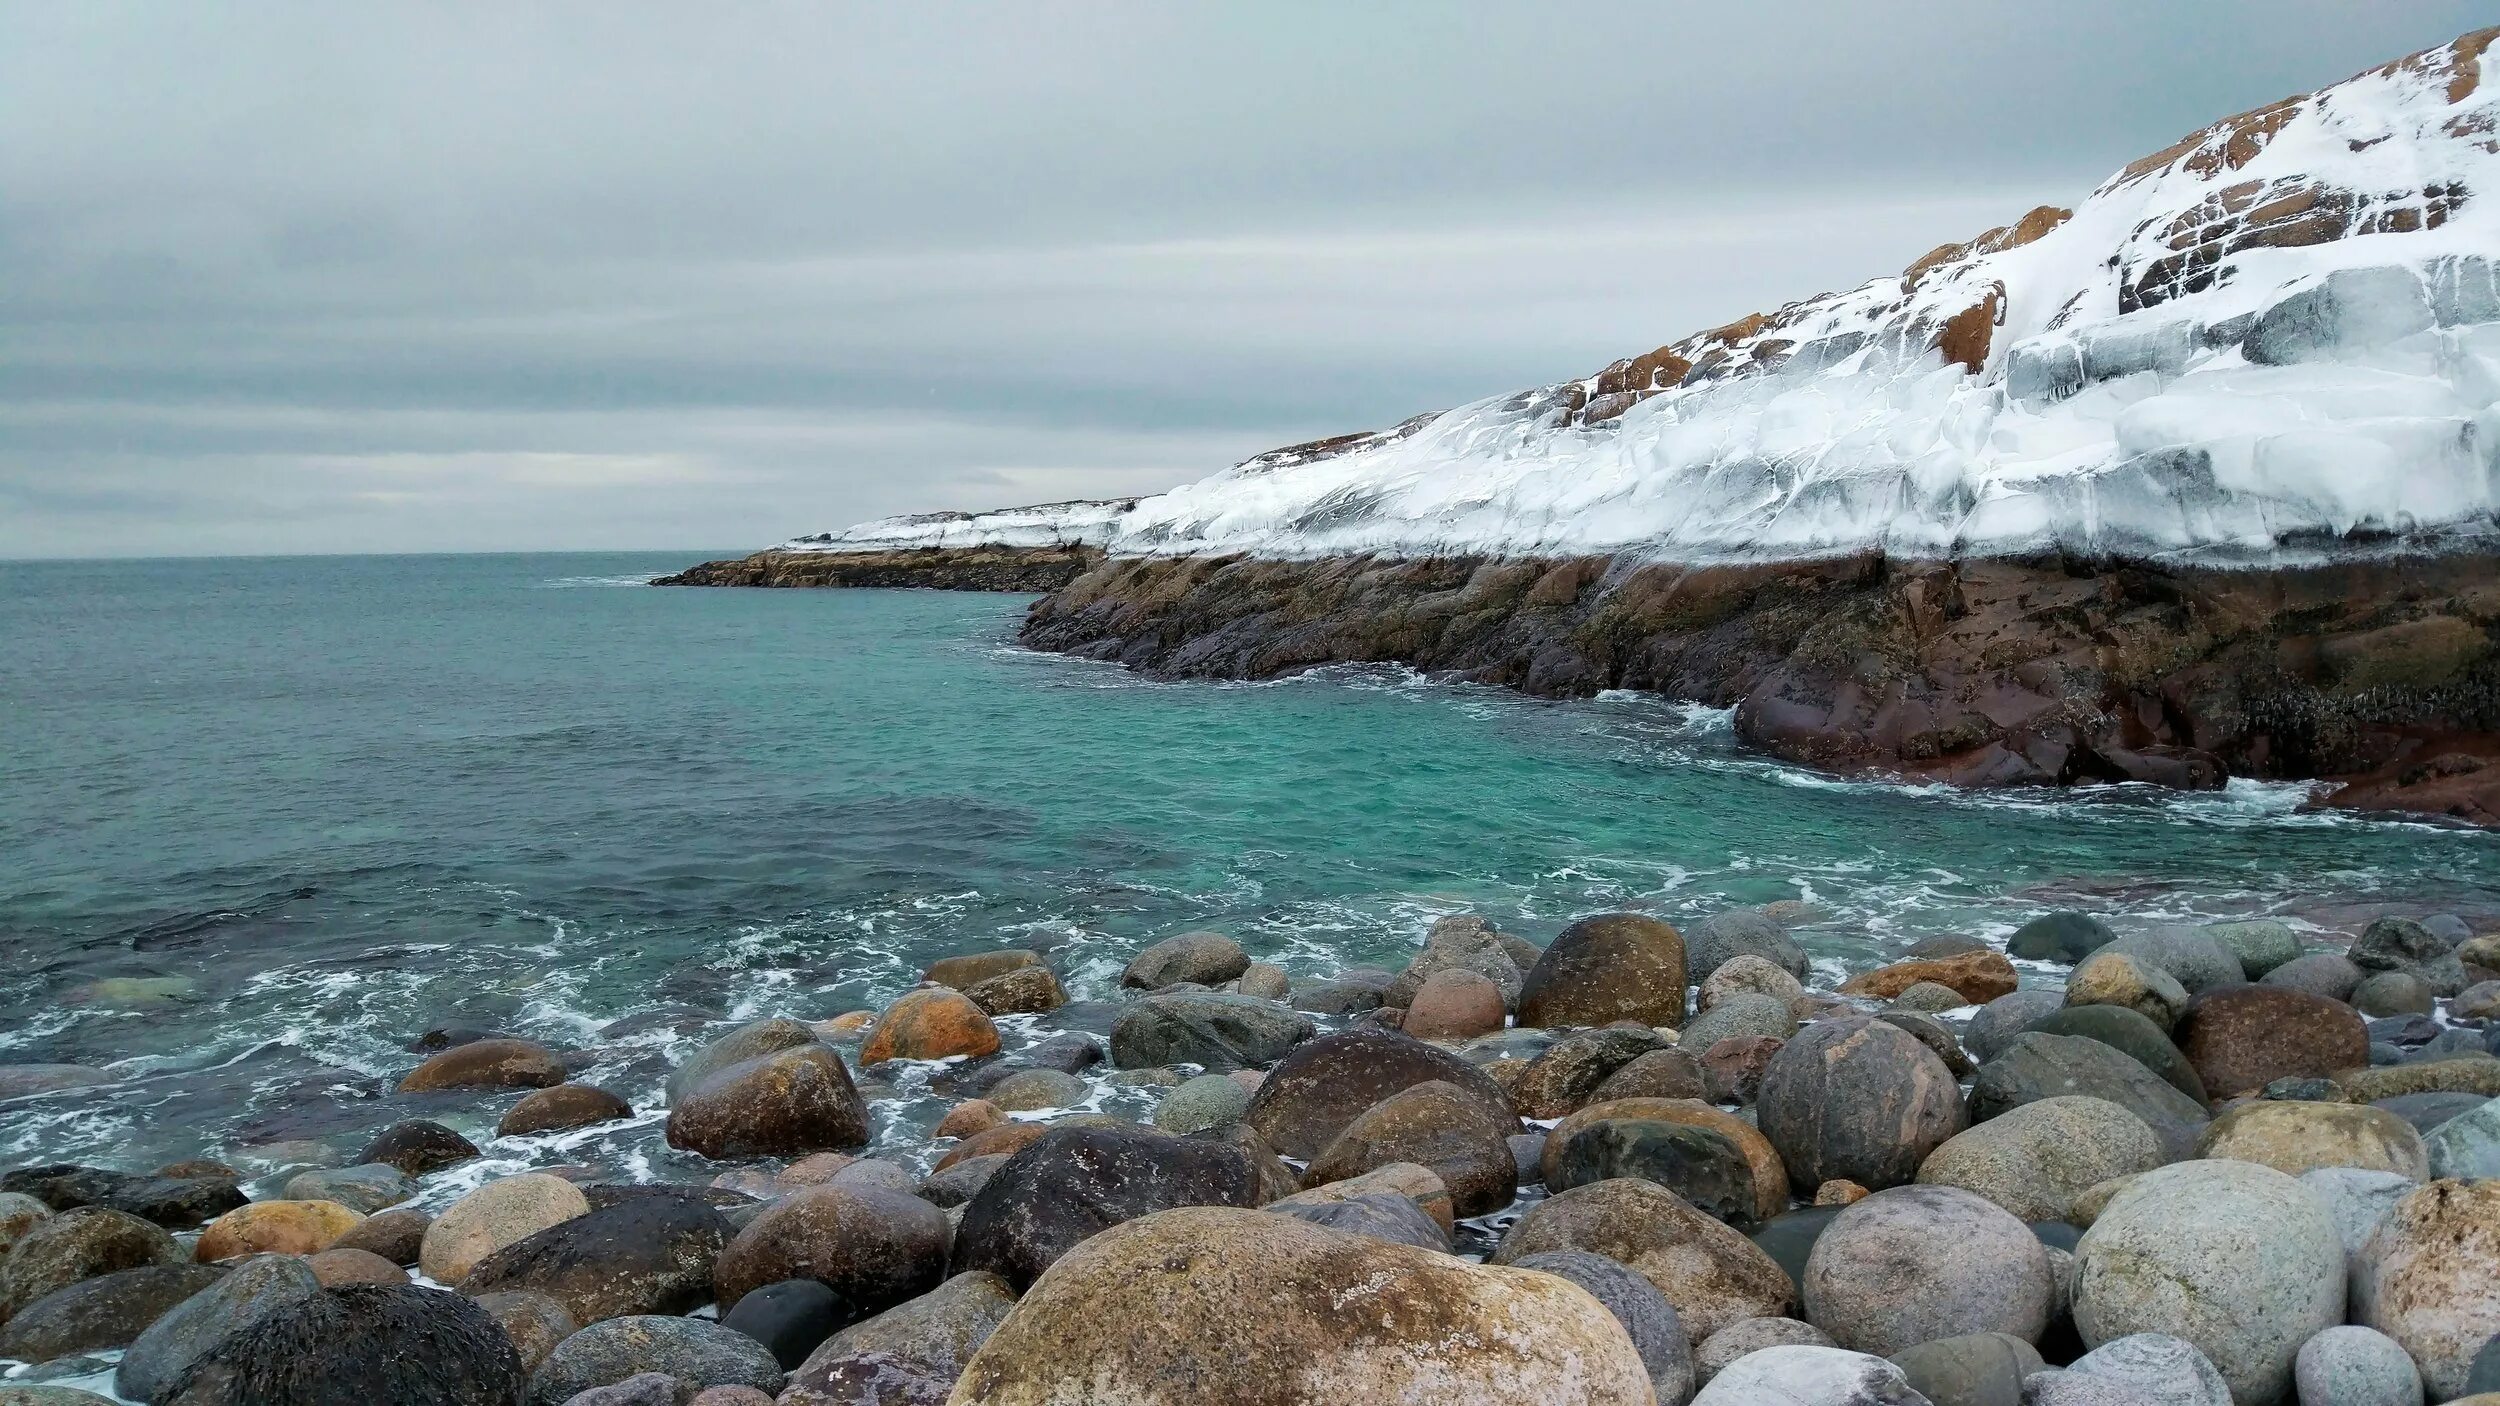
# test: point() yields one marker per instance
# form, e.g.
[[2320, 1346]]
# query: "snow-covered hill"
[[2277, 339]]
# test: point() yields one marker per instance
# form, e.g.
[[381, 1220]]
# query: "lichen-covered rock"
[[647, 1255], [1462, 1137], [1568, 1072], [911, 1351], [1916, 1263], [695, 1353], [188, 1331], [497, 1214], [356, 1346], [2430, 1279], [1324, 1084], [2132, 1035], [274, 1227], [2243, 1037], [2356, 1366], [1857, 1100], [1798, 1375], [62, 1249], [1249, 1306], [1203, 958], [2034, 1160], [487, 1064], [1701, 1165], [1215, 1030], [2261, 944], [1713, 1275], [1617, 966], [1769, 1173], [1076, 1182], [2295, 1137], [2238, 1259]]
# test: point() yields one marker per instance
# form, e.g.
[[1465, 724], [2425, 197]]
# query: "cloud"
[[290, 278]]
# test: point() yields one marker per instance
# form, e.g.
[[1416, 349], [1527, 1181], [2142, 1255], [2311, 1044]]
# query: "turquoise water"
[[317, 806]]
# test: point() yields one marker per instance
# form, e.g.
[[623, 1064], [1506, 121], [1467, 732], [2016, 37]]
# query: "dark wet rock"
[[2427, 1112], [1325, 1084], [2404, 946], [2035, 1066], [76, 1245], [2132, 1034], [789, 1318], [418, 1147], [752, 1040], [911, 1348], [1712, 1274], [562, 1107], [255, 1290], [1276, 1179], [2328, 974], [358, 1346], [1741, 932], [649, 1255], [1976, 1369], [1700, 1165], [2066, 937], [695, 1353], [2246, 1036], [1075, 1182], [1208, 1101], [1769, 1174], [640, 1389], [959, 1183], [108, 1311], [872, 1248], [1737, 1016], [1617, 966], [1035, 1090], [363, 1189], [1569, 1072], [487, 1064], [1459, 1134], [396, 1235], [788, 1102], [533, 1322], [444, 1037], [177, 1203], [1206, 958], [1650, 1321], [28, 1393], [1383, 1216], [1460, 946], [1217, 1031], [1336, 998], [1857, 1100], [1661, 1073]]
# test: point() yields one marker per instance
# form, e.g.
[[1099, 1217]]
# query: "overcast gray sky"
[[411, 277]]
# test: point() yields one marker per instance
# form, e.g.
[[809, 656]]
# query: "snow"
[[2318, 399]]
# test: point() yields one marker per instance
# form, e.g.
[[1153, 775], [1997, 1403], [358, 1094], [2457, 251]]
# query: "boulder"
[[1324, 1084], [1034, 1090], [1746, 975], [1857, 1100], [533, 1322], [564, 1107], [930, 1022], [279, 1227], [1732, 1069], [1214, 1030], [1456, 1132], [1381, 1216], [695, 1353], [1663, 1073], [2261, 944], [1618, 966], [1454, 1005], [1978, 977], [497, 1214], [372, 1187], [648, 1255], [2035, 1066], [873, 1249], [2394, 993], [752, 1040], [1926, 998], [418, 1147], [2009, 1015], [174, 1202], [2034, 1160], [1459, 945], [1003, 1140], [1203, 958], [2328, 974], [2467, 1146], [2064, 937], [2113, 978], [487, 1064], [1418, 1184], [334, 1267], [784, 1102], [1255, 1307], [2476, 1075], [395, 1235], [1567, 1074], [1738, 1015], [2158, 1366], [906, 1352], [1769, 1173], [2192, 956], [2356, 1366], [1738, 1340], [1078, 1181], [2238, 1259], [1265, 980], [19, 1213], [1711, 1274], [1916, 1263], [2358, 1201], [791, 1318], [1207, 1101], [1723, 937], [360, 1343], [2404, 946], [102, 1313], [969, 969], [1025, 991], [1976, 1369], [1798, 1375], [2132, 1035], [2430, 1279], [1656, 1333], [63, 1249], [2295, 1137], [1700, 1165], [254, 1290]]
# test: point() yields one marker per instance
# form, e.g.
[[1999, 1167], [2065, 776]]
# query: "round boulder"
[[1202, 958], [1569, 1071], [1723, 937], [1248, 1306], [2430, 1279], [1798, 1375], [1657, 1074], [563, 1107], [1462, 1137], [1454, 1005], [418, 1147], [873, 1249], [2162, 1368], [1217, 1031], [1735, 1015], [2036, 1159], [930, 1022], [2064, 937], [1025, 991], [1751, 1336], [62, 1249], [2034, 1066], [107, 1311], [966, 970], [1207, 1101], [252, 1291], [534, 1322], [395, 1235], [1917, 1263], [1857, 1100], [2110, 978], [1698, 1164], [395, 1343], [275, 1227], [2328, 974], [2356, 1366], [1075, 1182], [1746, 975], [644, 1255], [497, 1214], [694, 1353], [2132, 1035], [1618, 966], [2004, 1018], [487, 1064], [1769, 1175], [783, 1103], [1712, 1275], [372, 1187], [1324, 1084], [1656, 1333], [2295, 1137], [2240, 1038], [2238, 1259], [1976, 1369]]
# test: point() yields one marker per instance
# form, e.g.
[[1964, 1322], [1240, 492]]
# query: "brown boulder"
[[1004, 1138], [1568, 1073], [1461, 1136], [1617, 966], [969, 1118], [1024, 991], [1858, 1100], [967, 970], [780, 1104], [1709, 1272], [1419, 1184], [395, 1235], [2240, 1038], [334, 1266], [562, 1107], [1657, 1074], [1770, 1176], [930, 1022], [1325, 1084], [274, 1227], [487, 1064], [1454, 1004], [873, 1249], [1731, 1069], [1979, 977]]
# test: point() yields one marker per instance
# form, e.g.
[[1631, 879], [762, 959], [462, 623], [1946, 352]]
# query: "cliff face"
[[985, 568], [2380, 676]]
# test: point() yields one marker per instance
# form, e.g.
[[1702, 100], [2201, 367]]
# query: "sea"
[[264, 823]]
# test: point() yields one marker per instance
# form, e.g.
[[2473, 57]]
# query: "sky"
[[282, 278]]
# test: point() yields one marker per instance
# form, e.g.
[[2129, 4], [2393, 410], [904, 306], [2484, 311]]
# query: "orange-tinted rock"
[[564, 1106], [849, 1023], [1325, 1084], [275, 1227], [1731, 1069], [970, 969], [969, 1118], [1966, 335], [335, 1266], [1840, 1193], [2240, 1038], [1770, 1178], [932, 1022], [1980, 977], [780, 1104], [1617, 966], [1006, 1137], [1454, 1005], [487, 1064]]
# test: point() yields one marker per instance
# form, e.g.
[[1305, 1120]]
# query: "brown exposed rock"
[[780, 1104], [1454, 1005], [1709, 1272], [1732, 1068], [2240, 1038], [967, 970], [1325, 1084], [1006, 1137], [274, 1227], [969, 1118], [487, 1064], [564, 1106], [1770, 1177], [1965, 337], [1978, 977], [1462, 1136], [1617, 966], [1024, 991], [931, 1022]]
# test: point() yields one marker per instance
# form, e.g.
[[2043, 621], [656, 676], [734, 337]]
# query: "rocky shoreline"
[[921, 568], [2225, 1164]]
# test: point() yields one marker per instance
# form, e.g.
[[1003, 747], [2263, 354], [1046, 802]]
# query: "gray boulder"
[[261, 1286], [1214, 1030], [1975, 1369], [2035, 1066], [2194, 957], [1743, 1013], [108, 1311], [1857, 1100], [1380, 1215], [1205, 958], [2356, 1366], [1636, 1303], [1741, 932], [2163, 1369], [2065, 937], [2328, 974], [695, 1353], [1809, 1376], [2468, 1145], [1995, 1024], [1916, 1263], [2261, 944]]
